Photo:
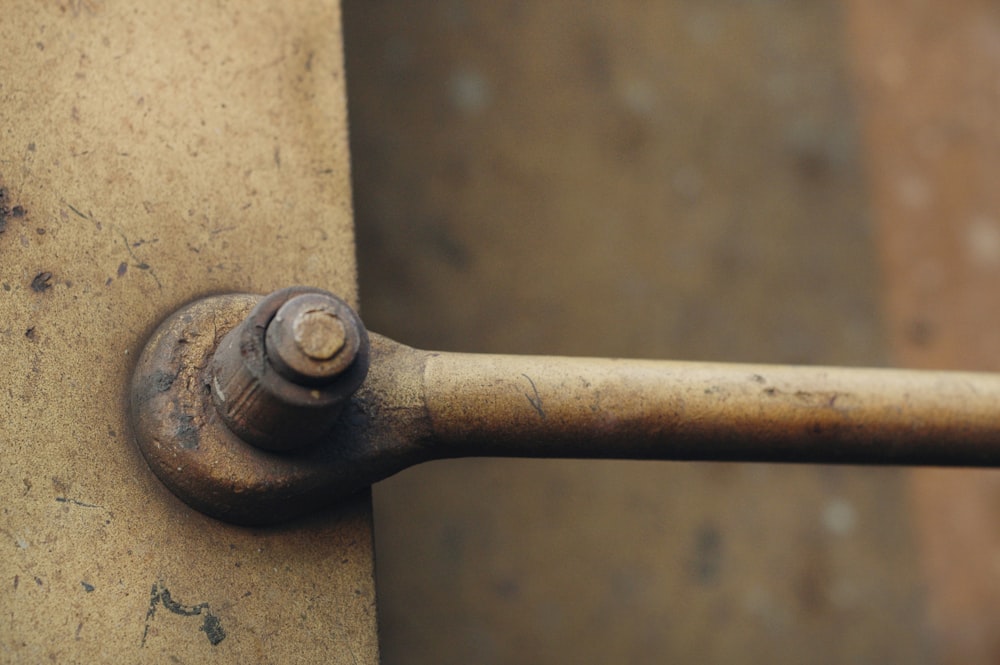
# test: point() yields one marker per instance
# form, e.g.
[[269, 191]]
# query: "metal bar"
[[486, 405]]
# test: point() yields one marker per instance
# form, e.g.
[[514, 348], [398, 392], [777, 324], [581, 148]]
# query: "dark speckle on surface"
[[187, 432], [920, 333], [7, 211], [42, 282], [708, 554], [213, 629], [4, 210], [163, 380], [210, 625], [87, 587]]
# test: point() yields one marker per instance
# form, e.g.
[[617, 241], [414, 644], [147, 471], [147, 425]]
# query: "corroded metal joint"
[[281, 378], [207, 385], [292, 369]]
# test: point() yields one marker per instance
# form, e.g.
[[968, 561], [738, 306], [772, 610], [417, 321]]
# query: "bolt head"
[[312, 338], [319, 334]]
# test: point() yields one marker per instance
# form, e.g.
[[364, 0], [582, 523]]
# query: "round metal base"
[[185, 441]]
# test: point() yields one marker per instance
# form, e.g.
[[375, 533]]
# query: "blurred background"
[[770, 181]]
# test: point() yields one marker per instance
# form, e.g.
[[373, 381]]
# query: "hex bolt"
[[280, 378]]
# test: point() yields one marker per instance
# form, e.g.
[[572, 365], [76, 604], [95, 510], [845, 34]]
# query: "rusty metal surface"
[[152, 153]]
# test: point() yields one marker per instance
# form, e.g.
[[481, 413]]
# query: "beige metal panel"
[[152, 152]]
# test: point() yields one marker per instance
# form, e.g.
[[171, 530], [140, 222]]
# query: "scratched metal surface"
[[149, 153]]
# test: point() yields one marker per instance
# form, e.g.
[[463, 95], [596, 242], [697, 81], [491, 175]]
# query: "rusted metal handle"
[[414, 406], [597, 408]]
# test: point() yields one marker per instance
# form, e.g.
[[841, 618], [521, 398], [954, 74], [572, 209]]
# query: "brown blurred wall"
[[928, 75], [703, 180]]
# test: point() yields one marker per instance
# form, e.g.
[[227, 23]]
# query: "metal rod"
[[523, 406]]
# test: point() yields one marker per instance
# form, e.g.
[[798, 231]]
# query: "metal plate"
[[152, 153]]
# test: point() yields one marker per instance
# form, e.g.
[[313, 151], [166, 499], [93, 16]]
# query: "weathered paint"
[[150, 153]]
